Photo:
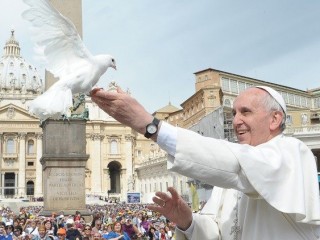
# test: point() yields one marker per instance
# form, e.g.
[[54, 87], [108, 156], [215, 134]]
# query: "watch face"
[[152, 129]]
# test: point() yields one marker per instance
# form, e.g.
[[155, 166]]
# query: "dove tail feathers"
[[52, 103]]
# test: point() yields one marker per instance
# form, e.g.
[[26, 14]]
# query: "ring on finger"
[[164, 204]]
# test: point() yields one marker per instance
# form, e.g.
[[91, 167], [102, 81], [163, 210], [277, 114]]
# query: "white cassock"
[[266, 192]]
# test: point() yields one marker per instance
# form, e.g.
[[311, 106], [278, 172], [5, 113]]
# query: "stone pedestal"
[[63, 162]]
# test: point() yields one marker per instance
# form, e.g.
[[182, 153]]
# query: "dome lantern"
[[12, 47]]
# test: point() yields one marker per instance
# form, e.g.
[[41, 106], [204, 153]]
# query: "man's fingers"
[[93, 91], [160, 201], [119, 90], [174, 193], [163, 196], [155, 208], [100, 93]]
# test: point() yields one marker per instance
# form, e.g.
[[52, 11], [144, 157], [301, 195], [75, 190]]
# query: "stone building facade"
[[122, 160]]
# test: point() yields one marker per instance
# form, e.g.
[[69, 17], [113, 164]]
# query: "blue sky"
[[158, 45]]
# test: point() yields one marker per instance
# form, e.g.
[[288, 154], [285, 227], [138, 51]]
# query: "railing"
[[10, 156], [304, 129], [152, 161], [115, 155]]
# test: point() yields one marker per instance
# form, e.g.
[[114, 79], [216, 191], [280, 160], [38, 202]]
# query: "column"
[[2, 183], [95, 155], [1, 167], [16, 184], [38, 184], [129, 187], [22, 165]]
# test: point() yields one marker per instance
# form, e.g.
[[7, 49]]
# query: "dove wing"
[[62, 46]]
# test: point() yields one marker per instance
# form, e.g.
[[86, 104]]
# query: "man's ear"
[[276, 119]]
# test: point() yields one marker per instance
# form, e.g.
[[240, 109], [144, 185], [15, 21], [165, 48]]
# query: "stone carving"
[[77, 102], [304, 119], [10, 112]]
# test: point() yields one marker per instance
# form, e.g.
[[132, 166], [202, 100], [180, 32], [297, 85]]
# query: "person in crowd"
[[163, 234], [62, 234], [145, 225], [23, 214], [77, 216], [9, 229], [79, 225], [48, 226], [96, 236], [17, 222], [136, 220], [87, 231], [97, 225], [43, 234], [107, 229], [18, 233], [60, 219], [71, 231], [4, 234], [168, 231], [130, 229], [31, 227], [21, 222], [265, 185], [152, 234], [117, 233]]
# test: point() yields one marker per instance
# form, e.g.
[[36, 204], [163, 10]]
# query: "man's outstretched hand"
[[122, 107], [173, 207]]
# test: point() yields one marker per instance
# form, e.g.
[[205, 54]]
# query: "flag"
[[195, 198]]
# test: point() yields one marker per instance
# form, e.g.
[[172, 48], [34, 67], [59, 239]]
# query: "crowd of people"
[[112, 221]]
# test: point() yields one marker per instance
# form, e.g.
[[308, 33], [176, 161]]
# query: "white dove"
[[66, 57]]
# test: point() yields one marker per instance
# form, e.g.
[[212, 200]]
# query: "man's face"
[[128, 222], [16, 232], [98, 224], [42, 232], [9, 229], [251, 120], [61, 236], [96, 236], [2, 230], [33, 224]]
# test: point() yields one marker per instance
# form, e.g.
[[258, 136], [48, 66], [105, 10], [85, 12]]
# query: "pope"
[[266, 185]]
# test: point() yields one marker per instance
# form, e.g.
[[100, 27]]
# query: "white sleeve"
[[202, 227], [208, 160], [167, 138]]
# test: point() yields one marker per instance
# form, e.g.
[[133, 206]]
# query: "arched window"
[[113, 147], [30, 147], [30, 188], [10, 146]]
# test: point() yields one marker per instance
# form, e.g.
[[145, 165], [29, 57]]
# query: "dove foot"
[[65, 118], [93, 91]]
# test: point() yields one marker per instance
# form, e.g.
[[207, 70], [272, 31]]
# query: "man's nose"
[[237, 119]]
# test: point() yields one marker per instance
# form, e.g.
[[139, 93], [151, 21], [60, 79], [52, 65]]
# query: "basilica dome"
[[16, 75]]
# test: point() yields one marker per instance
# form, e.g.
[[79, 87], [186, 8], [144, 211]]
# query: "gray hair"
[[272, 105]]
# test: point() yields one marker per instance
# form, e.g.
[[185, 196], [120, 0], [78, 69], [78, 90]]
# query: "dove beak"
[[115, 67]]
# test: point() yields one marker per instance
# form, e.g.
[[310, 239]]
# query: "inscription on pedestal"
[[64, 188]]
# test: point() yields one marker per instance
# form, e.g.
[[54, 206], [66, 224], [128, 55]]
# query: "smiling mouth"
[[241, 132]]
